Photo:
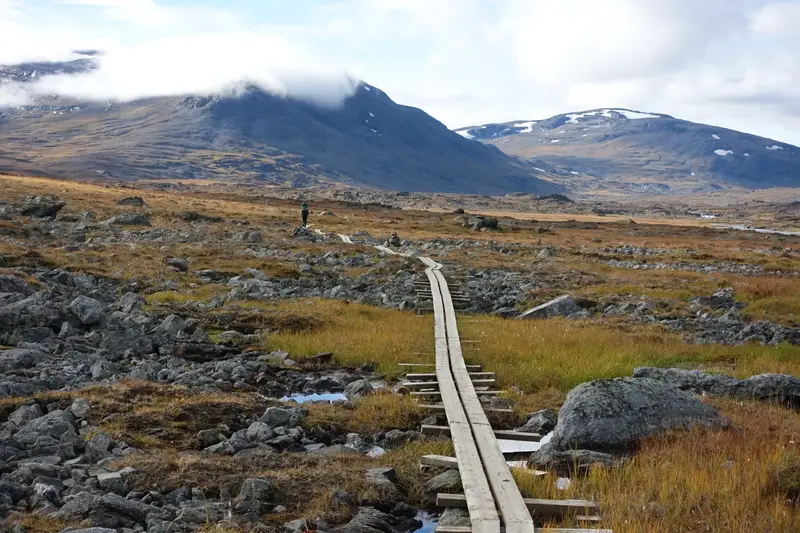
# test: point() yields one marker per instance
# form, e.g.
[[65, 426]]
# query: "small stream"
[[328, 397], [429, 523]]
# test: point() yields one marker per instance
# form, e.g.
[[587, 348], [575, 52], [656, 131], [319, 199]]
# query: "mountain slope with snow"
[[623, 150]]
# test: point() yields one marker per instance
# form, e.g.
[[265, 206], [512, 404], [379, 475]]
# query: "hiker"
[[394, 240], [304, 212]]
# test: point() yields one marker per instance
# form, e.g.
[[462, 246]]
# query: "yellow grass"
[[358, 334]]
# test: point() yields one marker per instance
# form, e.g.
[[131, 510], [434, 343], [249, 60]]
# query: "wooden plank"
[[440, 409], [471, 368], [545, 509], [437, 393], [439, 460], [431, 377], [452, 529], [518, 435], [444, 431], [416, 385]]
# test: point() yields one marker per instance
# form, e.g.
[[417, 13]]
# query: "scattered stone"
[[191, 216], [542, 422], [135, 201], [358, 389], [569, 462], [81, 408], [41, 206], [563, 306], [89, 311], [128, 219], [447, 481], [181, 265]]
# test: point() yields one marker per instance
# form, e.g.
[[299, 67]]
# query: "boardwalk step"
[[470, 368], [441, 409], [432, 377], [421, 385], [546, 509], [437, 393], [444, 431]]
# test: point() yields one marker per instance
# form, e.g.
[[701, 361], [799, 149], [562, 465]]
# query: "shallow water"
[[332, 397], [744, 227], [429, 523]]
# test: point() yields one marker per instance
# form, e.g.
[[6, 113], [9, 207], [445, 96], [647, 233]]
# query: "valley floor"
[[150, 340]]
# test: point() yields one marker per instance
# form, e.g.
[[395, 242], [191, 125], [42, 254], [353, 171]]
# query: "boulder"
[[80, 408], [41, 206], [569, 462], [542, 422], [112, 510], [613, 414], [336, 450], [447, 481], [181, 265], [368, 520], [561, 306], [259, 432], [135, 201], [209, 437], [172, 325], [129, 219], [53, 424], [88, 310], [24, 414], [278, 416], [15, 285], [358, 389], [258, 490], [777, 388], [479, 222], [295, 526], [384, 480], [191, 216]]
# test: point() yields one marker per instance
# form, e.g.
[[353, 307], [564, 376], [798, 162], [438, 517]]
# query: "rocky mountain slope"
[[369, 141], [621, 150]]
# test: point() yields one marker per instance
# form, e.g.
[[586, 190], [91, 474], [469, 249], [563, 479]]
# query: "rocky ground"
[[167, 311]]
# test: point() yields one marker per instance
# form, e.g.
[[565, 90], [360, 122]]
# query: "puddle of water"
[[744, 227], [429, 523], [315, 398], [518, 446]]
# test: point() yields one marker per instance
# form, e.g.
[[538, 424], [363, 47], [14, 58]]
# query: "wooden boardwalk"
[[491, 495]]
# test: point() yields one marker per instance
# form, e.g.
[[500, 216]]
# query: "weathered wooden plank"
[[545, 509], [431, 377], [439, 460], [517, 435], [492, 410], [437, 393], [435, 384], [471, 368]]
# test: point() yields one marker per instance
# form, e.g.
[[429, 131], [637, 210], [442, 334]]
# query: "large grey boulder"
[[53, 424], [112, 510], [24, 414], [277, 417], [445, 482], [613, 414], [41, 206], [259, 490], [384, 480], [135, 201], [13, 284], [778, 388], [561, 306], [88, 310]]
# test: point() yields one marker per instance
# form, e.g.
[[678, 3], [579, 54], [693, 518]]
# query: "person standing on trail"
[[304, 212]]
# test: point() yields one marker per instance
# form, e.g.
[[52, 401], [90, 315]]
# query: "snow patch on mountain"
[[723, 153], [527, 127]]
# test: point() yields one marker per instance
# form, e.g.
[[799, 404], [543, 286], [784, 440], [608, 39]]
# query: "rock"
[[777, 388], [277, 416], [191, 216], [258, 490], [209, 437], [41, 206], [181, 265], [358, 389], [384, 480], [561, 306], [259, 432], [452, 517], [569, 462], [81, 408], [24, 414], [172, 325], [251, 237], [90, 530], [88, 310], [612, 414], [128, 219], [342, 499], [368, 520], [295, 526], [547, 253], [100, 443], [53, 424], [542, 422], [479, 222], [15, 285], [336, 450], [112, 510], [136, 201], [723, 299], [447, 481], [130, 302]]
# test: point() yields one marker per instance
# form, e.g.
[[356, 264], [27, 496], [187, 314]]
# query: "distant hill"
[[620, 150], [370, 141]]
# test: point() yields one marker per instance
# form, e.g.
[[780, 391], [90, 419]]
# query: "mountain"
[[369, 141], [621, 150]]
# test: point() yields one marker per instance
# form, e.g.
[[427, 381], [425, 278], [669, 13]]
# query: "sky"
[[730, 63]]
